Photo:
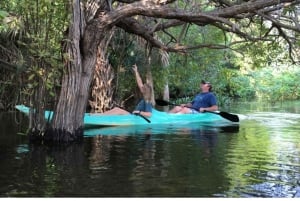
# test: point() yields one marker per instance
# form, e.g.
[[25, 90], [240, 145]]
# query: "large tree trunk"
[[67, 124], [67, 121]]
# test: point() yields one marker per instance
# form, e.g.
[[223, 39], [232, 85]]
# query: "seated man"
[[204, 101]]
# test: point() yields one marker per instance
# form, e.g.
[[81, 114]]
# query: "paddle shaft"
[[137, 114], [165, 103]]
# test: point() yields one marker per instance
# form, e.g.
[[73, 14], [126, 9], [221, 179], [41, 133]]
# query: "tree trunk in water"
[[37, 122], [67, 124]]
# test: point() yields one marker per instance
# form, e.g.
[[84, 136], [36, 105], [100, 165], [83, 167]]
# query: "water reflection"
[[206, 138], [257, 158], [99, 154], [43, 171], [160, 164], [264, 162]]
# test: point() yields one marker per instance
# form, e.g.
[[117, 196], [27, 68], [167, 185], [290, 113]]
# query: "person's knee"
[[187, 110]]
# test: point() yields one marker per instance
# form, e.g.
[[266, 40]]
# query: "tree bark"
[[67, 124], [102, 85]]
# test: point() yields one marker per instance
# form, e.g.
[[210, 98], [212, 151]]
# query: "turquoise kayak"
[[157, 118], [162, 129]]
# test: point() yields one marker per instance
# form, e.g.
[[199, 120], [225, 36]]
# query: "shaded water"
[[258, 158]]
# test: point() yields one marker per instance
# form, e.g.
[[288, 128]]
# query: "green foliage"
[[232, 76], [277, 85], [124, 52], [3, 15], [36, 28]]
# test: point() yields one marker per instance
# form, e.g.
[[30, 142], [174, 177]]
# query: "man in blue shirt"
[[204, 101]]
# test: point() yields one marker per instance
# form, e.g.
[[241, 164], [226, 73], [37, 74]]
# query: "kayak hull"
[[164, 129], [157, 118]]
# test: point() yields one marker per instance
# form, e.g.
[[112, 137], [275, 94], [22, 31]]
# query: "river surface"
[[260, 157]]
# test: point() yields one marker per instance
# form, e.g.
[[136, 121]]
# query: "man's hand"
[[202, 109]]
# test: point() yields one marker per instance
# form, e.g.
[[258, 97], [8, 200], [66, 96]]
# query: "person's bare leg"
[[116, 110], [185, 110], [176, 109]]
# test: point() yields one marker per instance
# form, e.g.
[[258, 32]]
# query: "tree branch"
[[222, 18]]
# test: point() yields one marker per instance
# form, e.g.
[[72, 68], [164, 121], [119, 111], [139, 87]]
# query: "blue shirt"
[[144, 106], [206, 99]]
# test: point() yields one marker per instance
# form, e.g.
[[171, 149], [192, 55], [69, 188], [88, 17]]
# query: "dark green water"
[[258, 158]]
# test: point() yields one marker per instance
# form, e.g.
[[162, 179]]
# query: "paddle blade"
[[230, 117]]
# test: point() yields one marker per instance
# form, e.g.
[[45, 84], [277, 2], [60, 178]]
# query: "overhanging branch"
[[222, 18]]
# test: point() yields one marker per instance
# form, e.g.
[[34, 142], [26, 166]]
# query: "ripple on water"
[[264, 161], [275, 119], [269, 189]]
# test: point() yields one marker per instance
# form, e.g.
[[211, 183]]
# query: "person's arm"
[[138, 77], [188, 105], [213, 102], [211, 109]]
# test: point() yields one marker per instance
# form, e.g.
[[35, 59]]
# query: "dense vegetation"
[[44, 53], [30, 50], [258, 71], [31, 35]]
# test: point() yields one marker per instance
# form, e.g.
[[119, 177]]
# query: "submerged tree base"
[[56, 136]]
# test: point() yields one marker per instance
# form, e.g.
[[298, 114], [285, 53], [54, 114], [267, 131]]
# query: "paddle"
[[225, 115], [138, 114]]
